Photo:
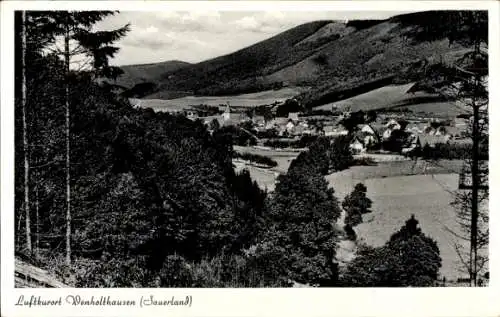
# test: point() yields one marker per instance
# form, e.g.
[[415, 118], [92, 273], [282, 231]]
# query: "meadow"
[[244, 100], [372, 100], [398, 189], [396, 197]]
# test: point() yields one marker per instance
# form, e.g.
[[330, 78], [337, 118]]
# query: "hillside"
[[338, 60], [141, 73]]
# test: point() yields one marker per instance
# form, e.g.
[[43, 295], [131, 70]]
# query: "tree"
[[340, 155], [353, 120], [301, 215], [25, 135], [77, 26], [396, 141], [467, 82], [214, 125], [356, 204], [409, 258]]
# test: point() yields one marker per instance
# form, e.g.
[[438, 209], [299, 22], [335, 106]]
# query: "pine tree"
[[75, 27], [25, 134]]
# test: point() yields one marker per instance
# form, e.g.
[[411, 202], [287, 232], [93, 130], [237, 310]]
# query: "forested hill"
[[329, 56], [143, 73]]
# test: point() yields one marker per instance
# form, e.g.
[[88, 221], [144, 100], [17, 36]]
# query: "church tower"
[[226, 116]]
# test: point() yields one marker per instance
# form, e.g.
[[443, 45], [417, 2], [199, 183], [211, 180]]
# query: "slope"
[[338, 60], [144, 73], [242, 71]]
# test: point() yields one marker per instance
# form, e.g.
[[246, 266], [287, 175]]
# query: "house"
[[208, 120], [294, 116], [413, 144], [357, 145], [259, 120], [432, 140], [441, 131], [393, 125], [368, 129], [390, 126], [332, 130], [191, 114], [369, 135]]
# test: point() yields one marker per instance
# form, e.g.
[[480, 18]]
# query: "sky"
[[194, 36]]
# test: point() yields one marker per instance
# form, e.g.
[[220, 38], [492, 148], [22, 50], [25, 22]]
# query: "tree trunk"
[[37, 225], [68, 189], [25, 135]]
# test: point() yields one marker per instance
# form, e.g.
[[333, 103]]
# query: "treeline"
[[256, 158], [452, 151], [304, 141]]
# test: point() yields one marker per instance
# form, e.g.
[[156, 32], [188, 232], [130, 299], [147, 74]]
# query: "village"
[[382, 134]]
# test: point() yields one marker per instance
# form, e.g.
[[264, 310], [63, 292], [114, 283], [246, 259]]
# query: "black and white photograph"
[[250, 149]]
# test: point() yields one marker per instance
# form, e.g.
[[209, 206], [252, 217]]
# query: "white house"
[[390, 126], [289, 126], [293, 116], [368, 129], [357, 146], [393, 125]]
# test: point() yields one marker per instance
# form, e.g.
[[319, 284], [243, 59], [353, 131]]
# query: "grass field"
[[395, 197], [398, 189], [282, 157], [265, 177], [244, 100], [374, 99], [439, 109]]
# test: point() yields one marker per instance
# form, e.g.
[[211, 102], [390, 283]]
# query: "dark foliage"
[[409, 258], [238, 136], [363, 24], [303, 142], [150, 191], [356, 204], [256, 158], [290, 105], [451, 151], [396, 141]]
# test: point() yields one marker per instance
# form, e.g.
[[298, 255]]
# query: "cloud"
[[194, 36]]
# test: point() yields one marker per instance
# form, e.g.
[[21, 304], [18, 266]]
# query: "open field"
[[398, 189], [282, 157], [437, 109], [372, 100], [396, 97], [264, 177], [244, 100], [395, 198]]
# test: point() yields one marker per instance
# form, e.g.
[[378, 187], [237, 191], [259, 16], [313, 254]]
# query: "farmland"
[[372, 100], [395, 197], [265, 177], [243, 100], [397, 189]]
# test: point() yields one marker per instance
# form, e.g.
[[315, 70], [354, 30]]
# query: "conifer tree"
[[74, 28]]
